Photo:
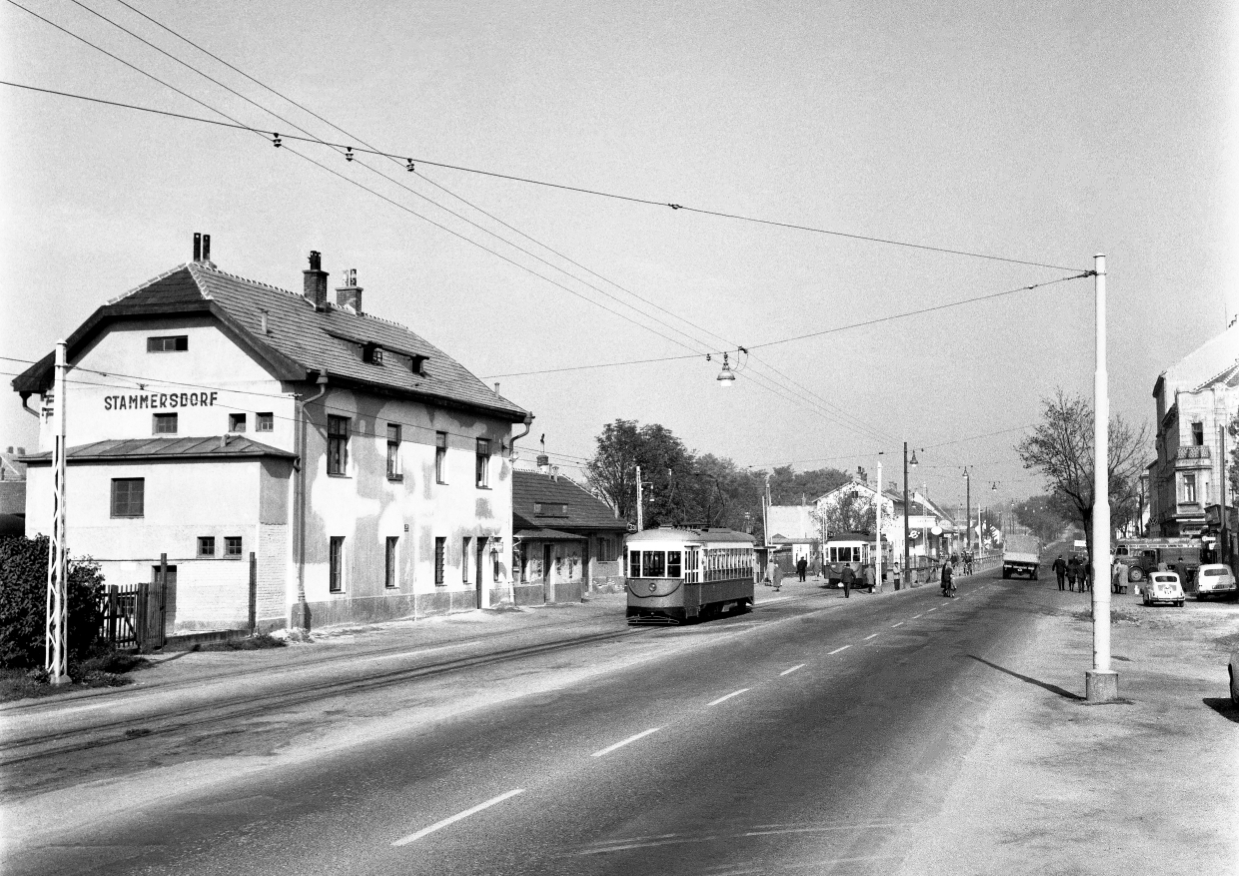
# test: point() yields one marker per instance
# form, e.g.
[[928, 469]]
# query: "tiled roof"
[[299, 340], [584, 510], [213, 447]]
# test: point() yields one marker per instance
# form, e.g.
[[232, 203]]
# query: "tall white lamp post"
[[1101, 684]]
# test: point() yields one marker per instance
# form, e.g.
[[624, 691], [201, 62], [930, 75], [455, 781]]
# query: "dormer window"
[[416, 364], [372, 354]]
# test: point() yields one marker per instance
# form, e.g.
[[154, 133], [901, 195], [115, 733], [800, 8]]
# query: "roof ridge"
[[1215, 377], [214, 270], [152, 280]]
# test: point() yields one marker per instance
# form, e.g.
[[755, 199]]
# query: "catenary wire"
[[579, 189]]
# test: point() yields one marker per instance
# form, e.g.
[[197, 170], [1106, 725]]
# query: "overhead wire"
[[766, 382]]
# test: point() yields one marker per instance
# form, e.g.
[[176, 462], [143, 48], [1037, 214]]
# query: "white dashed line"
[[734, 693], [874, 636], [900, 624], [915, 616], [837, 650], [775, 599], [933, 609], [793, 669], [457, 817], [611, 748]]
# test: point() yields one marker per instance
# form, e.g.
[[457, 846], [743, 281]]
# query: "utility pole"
[[640, 504], [907, 567], [967, 510], [877, 537], [1101, 684], [56, 652]]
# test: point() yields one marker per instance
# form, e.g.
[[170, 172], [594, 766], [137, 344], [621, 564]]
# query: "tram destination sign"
[[144, 401]]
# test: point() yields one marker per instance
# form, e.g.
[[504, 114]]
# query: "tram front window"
[[674, 564], [653, 564]]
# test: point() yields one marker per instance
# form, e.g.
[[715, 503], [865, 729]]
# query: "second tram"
[[677, 575]]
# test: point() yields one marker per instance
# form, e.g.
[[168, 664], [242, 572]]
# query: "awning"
[[547, 535]]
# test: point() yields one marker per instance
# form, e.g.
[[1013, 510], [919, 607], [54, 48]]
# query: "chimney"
[[202, 248], [349, 295], [544, 464], [206, 248], [316, 282], [197, 247]]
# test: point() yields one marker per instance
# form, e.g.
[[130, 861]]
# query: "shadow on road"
[[1052, 688], [1224, 707]]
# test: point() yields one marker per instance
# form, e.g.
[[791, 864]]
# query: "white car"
[[1215, 579], [1163, 587]]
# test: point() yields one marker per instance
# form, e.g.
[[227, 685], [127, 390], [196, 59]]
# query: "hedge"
[[23, 602]]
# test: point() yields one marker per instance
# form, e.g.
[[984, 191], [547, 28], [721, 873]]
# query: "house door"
[[478, 567], [548, 557]]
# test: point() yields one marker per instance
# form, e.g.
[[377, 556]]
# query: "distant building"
[[567, 541], [794, 527], [1195, 398], [931, 530], [294, 458]]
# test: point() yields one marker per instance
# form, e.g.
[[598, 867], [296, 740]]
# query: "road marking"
[[734, 693], [933, 609], [900, 624], [915, 616], [775, 599], [611, 748], [837, 650], [793, 669], [874, 636], [457, 817]]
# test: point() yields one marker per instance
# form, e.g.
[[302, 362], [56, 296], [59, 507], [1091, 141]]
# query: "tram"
[[853, 549], [679, 575]]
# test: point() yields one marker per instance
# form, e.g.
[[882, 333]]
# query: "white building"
[[931, 531], [1196, 397], [297, 461]]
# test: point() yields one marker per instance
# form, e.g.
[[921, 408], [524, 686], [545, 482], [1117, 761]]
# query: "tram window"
[[673, 564], [653, 564], [634, 564]]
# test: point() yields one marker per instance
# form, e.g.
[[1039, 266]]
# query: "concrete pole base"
[[1101, 686]]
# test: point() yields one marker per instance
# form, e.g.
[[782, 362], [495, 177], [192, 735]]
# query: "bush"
[[23, 603]]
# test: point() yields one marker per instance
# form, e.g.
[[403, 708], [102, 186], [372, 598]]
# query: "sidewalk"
[[1050, 784]]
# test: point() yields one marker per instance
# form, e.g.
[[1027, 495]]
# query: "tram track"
[[334, 658], [35, 748]]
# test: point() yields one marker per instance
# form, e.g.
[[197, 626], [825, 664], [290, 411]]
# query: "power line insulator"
[[410, 167], [348, 154], [276, 141]]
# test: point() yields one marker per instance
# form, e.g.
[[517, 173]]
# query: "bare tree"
[[1061, 447]]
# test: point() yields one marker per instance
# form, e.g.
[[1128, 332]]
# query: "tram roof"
[[677, 533]]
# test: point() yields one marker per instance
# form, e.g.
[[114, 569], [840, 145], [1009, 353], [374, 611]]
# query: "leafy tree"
[[1061, 447], [853, 511], [1043, 517], [666, 467], [23, 602], [788, 486], [1232, 488]]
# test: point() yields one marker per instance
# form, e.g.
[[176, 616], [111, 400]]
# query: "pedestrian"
[[869, 577], [802, 566], [1073, 573], [777, 577], [1060, 571], [948, 580], [845, 577], [769, 571], [1088, 577]]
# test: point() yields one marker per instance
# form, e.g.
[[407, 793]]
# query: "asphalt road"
[[809, 736]]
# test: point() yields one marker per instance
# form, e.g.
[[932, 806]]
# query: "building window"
[[264, 422], [163, 424], [440, 558], [175, 344], [1189, 488], [171, 578], [232, 546], [464, 559], [335, 562], [440, 457], [393, 451], [482, 470], [1198, 434], [337, 445], [389, 576], [128, 497], [236, 422], [206, 545]]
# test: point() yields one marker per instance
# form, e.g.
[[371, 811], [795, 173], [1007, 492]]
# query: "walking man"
[[846, 576], [868, 576], [1060, 571], [1073, 572], [802, 566]]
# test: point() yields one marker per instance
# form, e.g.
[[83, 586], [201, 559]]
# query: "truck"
[[1021, 554], [1135, 559]]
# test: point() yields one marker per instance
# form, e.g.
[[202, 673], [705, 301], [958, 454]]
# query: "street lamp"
[[968, 511], [907, 568]]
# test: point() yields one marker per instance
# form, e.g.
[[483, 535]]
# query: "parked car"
[[1163, 587], [1214, 579]]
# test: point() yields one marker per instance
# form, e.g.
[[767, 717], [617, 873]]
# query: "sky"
[[1042, 133]]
